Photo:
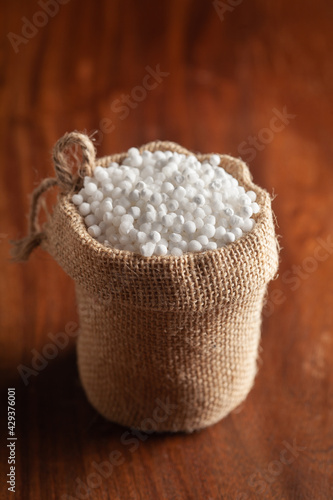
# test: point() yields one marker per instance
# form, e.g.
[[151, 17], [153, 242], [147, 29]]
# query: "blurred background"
[[249, 79]]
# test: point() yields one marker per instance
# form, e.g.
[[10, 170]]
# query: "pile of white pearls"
[[165, 203]]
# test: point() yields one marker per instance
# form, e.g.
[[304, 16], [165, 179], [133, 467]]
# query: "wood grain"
[[229, 75]]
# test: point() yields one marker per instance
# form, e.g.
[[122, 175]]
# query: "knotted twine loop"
[[65, 179]]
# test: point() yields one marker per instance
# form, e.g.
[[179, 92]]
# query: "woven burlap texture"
[[167, 343]]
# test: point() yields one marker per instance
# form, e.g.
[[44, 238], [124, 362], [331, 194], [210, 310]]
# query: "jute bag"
[[166, 343]]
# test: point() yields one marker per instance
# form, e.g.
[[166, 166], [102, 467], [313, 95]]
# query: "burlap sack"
[[166, 343]]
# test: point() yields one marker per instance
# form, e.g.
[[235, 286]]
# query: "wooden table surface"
[[251, 79]]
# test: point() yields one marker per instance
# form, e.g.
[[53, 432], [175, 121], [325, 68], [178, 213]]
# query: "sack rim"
[[239, 170]]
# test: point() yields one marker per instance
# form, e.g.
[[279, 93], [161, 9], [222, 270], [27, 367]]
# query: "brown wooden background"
[[229, 74]]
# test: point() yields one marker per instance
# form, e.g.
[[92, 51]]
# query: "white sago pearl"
[[167, 220], [133, 152], [90, 220], [116, 220], [172, 205], [77, 199], [235, 221], [203, 240], [145, 227], [214, 160], [199, 212], [124, 202], [247, 225], [107, 217], [107, 205], [182, 245], [255, 207], [179, 219], [146, 155], [220, 232], [176, 228], [208, 209], [211, 245], [190, 207], [124, 239], [252, 195], [176, 251], [199, 200], [246, 211], [141, 237], [98, 195], [210, 219], [116, 193], [175, 237], [244, 199], [133, 234], [228, 212], [179, 193], [164, 242], [84, 208], [147, 172], [136, 161], [125, 227], [119, 210], [145, 194], [159, 155], [127, 218], [237, 232], [154, 236], [90, 188], [134, 196], [149, 180], [167, 187], [208, 230], [190, 192], [229, 237], [190, 227], [157, 226], [135, 212], [156, 199], [150, 208], [199, 223], [194, 246], [188, 216], [131, 175], [179, 179], [108, 189], [100, 173], [149, 217], [147, 249], [140, 185], [94, 231], [99, 213], [161, 250]]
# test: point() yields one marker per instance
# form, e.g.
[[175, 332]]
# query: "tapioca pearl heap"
[[165, 203]]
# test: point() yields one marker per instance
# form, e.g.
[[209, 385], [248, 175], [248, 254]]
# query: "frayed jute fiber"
[[166, 343]]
